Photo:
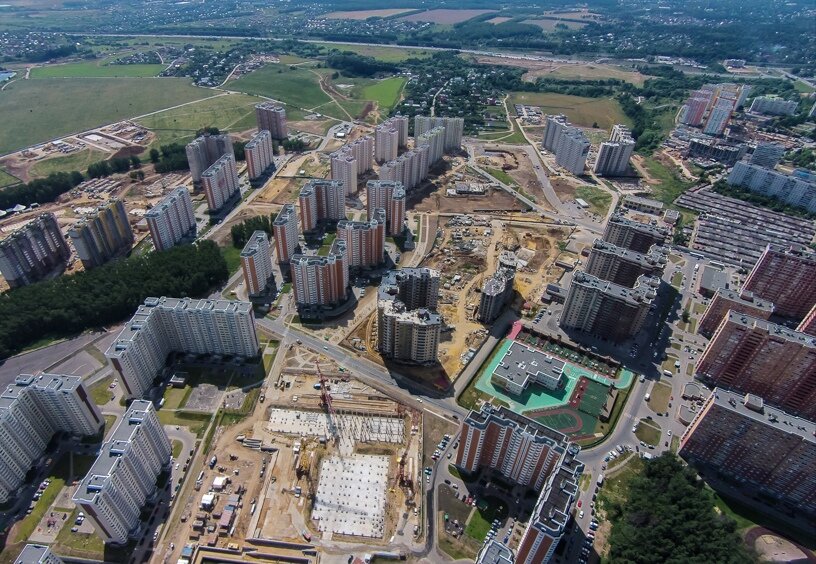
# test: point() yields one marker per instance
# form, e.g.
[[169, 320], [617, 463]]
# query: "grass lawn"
[[659, 400], [34, 111], [100, 392], [501, 176], [78, 544], [177, 446], [606, 112], [7, 179], [668, 364], [648, 432], [30, 522], [671, 182], [197, 422], [385, 92], [96, 69], [233, 258], [175, 398], [595, 72], [480, 521], [383, 53], [599, 200], [75, 161], [270, 352], [233, 112], [677, 279], [455, 548], [614, 488], [621, 460], [298, 87]]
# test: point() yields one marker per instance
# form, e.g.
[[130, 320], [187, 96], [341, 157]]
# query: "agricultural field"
[[293, 86], [385, 92], [549, 25], [387, 54], [581, 111], [444, 16], [75, 161], [34, 111], [96, 69], [590, 71], [365, 14]]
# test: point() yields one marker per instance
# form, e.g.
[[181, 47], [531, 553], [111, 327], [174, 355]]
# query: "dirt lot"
[[539, 246]]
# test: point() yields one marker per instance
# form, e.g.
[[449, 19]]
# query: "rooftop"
[[253, 244], [531, 426], [713, 278], [42, 381], [773, 329], [521, 363], [656, 256], [654, 230], [744, 297], [645, 289]]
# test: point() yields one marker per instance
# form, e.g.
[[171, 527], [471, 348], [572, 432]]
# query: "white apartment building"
[[37, 554], [362, 150], [256, 263], [203, 151], [220, 182], [773, 105], [386, 143], [272, 118], [164, 325], [123, 477], [435, 139], [321, 200], [285, 233], [613, 155], [400, 123], [796, 191], [554, 126], [365, 240], [32, 410], [171, 219], [259, 154], [767, 155], [719, 116], [388, 196], [344, 169], [454, 129], [571, 150]]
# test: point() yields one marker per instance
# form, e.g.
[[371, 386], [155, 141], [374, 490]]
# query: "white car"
[[581, 514]]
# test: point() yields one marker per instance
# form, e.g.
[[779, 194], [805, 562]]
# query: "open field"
[[233, 112], [298, 87], [549, 25], [579, 71], [6, 179], [382, 53], [499, 19], [385, 92], [365, 14], [598, 200], [34, 111], [95, 69], [667, 183], [443, 16], [75, 161], [580, 111]]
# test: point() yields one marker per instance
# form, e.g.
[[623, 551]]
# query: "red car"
[[579, 504]]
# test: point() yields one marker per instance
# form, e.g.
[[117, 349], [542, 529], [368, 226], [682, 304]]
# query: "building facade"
[[171, 220], [716, 150], [774, 106], [386, 143], [497, 291], [786, 277], [753, 446], [164, 325], [260, 156], [272, 118], [33, 251], [719, 116], [103, 235], [321, 200], [454, 129], [571, 150], [754, 356], [256, 263], [613, 155], [123, 476], [344, 169], [388, 196], [203, 151], [808, 324], [400, 123], [365, 240], [321, 281], [32, 410], [622, 266], [220, 182], [791, 189], [767, 155], [726, 300], [285, 232], [633, 235], [553, 127]]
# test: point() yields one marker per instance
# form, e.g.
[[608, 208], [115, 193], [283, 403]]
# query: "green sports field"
[[385, 92], [292, 85], [34, 111], [95, 69]]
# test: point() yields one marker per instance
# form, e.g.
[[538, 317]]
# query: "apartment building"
[[123, 477], [808, 324], [103, 235], [362, 149], [623, 267], [33, 251], [453, 127], [203, 151], [320, 281], [605, 309], [409, 328], [789, 188], [740, 439], [694, 109], [321, 200], [553, 128], [785, 276], [388, 196], [260, 157], [220, 182], [409, 169], [726, 300], [400, 123], [32, 410], [645, 205], [344, 169], [37, 554], [633, 235], [754, 356], [571, 150], [774, 106], [272, 118], [613, 155], [171, 220], [434, 139], [497, 291], [716, 150], [386, 143], [719, 116], [365, 240], [256, 263], [767, 155], [285, 232], [164, 325], [529, 454]]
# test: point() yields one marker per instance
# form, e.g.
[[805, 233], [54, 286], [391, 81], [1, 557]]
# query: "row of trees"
[[169, 158], [41, 190], [116, 165], [74, 303], [243, 231]]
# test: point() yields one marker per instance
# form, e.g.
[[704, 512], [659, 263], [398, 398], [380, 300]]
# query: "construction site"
[[324, 461]]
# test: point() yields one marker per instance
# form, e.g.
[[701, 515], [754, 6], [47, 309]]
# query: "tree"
[[154, 156], [135, 161]]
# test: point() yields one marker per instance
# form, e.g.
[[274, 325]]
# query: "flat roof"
[[654, 230], [520, 363], [655, 257], [803, 339], [713, 278], [33, 554], [745, 297], [644, 291], [525, 423]]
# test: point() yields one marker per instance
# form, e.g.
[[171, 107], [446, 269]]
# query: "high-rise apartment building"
[[613, 155], [386, 143], [172, 219], [285, 232], [388, 196], [409, 169], [755, 356], [344, 169], [123, 477], [220, 182], [272, 118], [633, 235], [203, 151], [260, 156], [37, 554], [773, 105], [164, 325], [454, 129], [529, 454], [320, 281], [321, 200], [553, 128], [719, 116], [408, 327], [400, 123], [789, 188], [435, 140], [32, 410], [767, 155], [693, 111], [571, 150], [786, 277], [365, 240], [718, 150], [605, 309], [256, 263], [623, 267], [103, 235], [808, 324], [497, 290], [741, 440], [726, 300], [33, 251]]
